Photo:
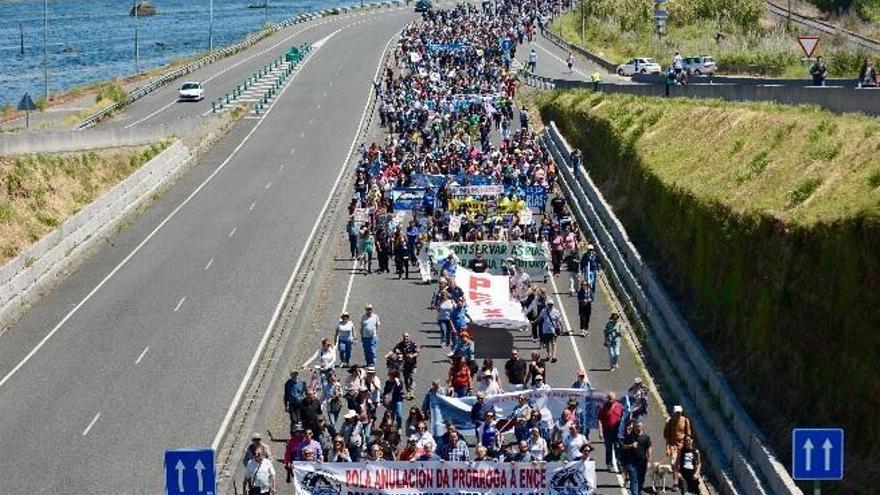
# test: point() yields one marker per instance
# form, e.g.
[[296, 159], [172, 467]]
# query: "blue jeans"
[[632, 472], [612, 448], [460, 391], [397, 409], [613, 354], [369, 350], [345, 350], [445, 331]]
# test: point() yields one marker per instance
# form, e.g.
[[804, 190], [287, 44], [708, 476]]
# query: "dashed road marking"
[[232, 233], [88, 428], [179, 304], [143, 353], [210, 262]]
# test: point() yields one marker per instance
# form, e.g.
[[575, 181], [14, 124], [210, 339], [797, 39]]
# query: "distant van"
[[699, 65]]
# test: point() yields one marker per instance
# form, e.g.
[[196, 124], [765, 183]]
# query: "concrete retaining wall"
[[89, 139], [740, 459], [23, 278]]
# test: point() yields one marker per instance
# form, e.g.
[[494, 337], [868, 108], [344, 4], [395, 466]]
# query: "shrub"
[[804, 190]]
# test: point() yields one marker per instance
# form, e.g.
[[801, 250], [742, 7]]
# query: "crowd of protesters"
[[446, 102]]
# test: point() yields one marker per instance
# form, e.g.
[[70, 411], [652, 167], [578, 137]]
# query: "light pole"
[[137, 48], [46, 48], [211, 27]]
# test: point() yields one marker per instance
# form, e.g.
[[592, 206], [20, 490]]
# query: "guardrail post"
[[213, 107], [227, 98]]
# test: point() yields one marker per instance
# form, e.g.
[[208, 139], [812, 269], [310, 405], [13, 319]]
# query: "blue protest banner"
[[407, 198], [436, 181], [535, 196]]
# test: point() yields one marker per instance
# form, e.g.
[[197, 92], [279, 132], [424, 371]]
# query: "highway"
[[222, 76], [144, 346]]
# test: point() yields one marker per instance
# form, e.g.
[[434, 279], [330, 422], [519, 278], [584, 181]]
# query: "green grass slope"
[[764, 221]]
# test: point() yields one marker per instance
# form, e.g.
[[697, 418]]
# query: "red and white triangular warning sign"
[[808, 44]]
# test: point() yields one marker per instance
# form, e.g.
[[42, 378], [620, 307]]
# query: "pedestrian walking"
[[612, 336], [259, 475], [570, 62], [585, 307], [370, 326], [677, 428], [688, 467], [610, 420], [345, 338], [551, 327], [636, 455]]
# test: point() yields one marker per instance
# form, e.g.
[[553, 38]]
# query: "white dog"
[[659, 472]]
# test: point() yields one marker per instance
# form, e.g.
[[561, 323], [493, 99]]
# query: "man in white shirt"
[[519, 282], [259, 475], [573, 442]]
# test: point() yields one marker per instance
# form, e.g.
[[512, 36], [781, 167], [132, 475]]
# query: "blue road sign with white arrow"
[[817, 453], [190, 472]]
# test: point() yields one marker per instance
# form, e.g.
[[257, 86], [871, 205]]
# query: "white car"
[[191, 91], [640, 66]]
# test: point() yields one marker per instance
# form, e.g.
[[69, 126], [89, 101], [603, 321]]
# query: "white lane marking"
[[210, 262], [179, 304], [281, 168], [580, 361], [227, 69], [348, 289], [267, 186], [232, 233], [253, 364], [88, 428], [563, 62], [577, 352], [149, 236], [157, 112], [253, 205], [143, 353]]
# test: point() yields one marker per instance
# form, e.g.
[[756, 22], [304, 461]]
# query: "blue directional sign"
[[190, 472], [817, 453]]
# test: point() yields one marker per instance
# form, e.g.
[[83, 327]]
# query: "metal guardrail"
[[164, 79], [741, 460], [557, 40]]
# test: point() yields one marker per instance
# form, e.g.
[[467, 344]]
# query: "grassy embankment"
[[39, 191], [764, 221], [753, 44]]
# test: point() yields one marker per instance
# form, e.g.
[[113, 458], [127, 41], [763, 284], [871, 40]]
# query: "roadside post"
[[660, 16], [27, 106], [817, 455]]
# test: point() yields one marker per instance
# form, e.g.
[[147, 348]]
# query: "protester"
[[294, 393], [370, 326], [259, 475], [252, 448], [585, 307], [635, 456], [515, 369], [345, 338], [688, 467], [677, 428], [612, 334], [551, 326], [610, 420]]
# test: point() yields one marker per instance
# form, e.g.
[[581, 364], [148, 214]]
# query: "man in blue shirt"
[[294, 393]]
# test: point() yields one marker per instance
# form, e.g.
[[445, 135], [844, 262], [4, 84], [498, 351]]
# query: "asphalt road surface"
[[402, 306], [143, 348]]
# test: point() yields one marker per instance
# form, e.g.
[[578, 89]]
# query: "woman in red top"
[[459, 376]]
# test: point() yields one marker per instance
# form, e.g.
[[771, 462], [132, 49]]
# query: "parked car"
[[191, 91], [699, 65], [423, 5], [639, 65]]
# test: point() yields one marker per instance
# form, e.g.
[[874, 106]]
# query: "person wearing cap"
[[581, 382], [255, 445], [370, 326], [345, 338], [352, 432], [610, 420], [488, 385], [674, 432], [638, 396], [612, 334], [551, 326], [259, 474]]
